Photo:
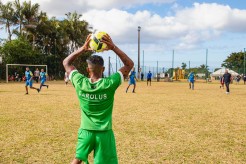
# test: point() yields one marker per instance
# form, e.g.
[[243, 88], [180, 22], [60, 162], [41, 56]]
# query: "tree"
[[183, 66], [51, 40], [234, 61], [76, 29], [18, 14], [20, 51], [7, 17], [30, 14]]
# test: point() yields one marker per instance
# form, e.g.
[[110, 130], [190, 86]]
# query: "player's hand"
[[86, 46], [107, 40]]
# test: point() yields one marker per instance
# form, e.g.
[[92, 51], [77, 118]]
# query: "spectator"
[[142, 76], [244, 78], [149, 76], [36, 75], [227, 79]]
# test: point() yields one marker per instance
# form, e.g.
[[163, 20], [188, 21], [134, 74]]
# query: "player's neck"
[[95, 78]]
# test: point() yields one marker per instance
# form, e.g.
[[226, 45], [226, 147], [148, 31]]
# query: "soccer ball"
[[95, 42]]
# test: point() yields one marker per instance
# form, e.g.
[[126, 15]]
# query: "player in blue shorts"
[[29, 80], [132, 80], [42, 77], [149, 76], [191, 78]]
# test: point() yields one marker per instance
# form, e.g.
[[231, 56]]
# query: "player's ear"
[[103, 69]]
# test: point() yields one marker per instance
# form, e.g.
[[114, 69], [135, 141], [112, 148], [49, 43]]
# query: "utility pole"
[[172, 63], [55, 59], [139, 28], [157, 72], [157, 67], [189, 66], [143, 63], [206, 64], [109, 66], [244, 63]]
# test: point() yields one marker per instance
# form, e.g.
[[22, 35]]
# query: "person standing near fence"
[[149, 76], [132, 80], [36, 75], [227, 79], [244, 78], [191, 78]]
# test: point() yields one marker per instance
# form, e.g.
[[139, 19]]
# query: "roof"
[[221, 72]]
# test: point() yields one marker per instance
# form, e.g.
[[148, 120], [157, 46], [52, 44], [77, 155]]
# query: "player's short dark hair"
[[95, 59]]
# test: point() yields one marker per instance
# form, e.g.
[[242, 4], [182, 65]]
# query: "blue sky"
[[164, 9], [185, 26]]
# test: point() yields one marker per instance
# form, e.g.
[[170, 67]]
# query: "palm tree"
[[18, 14], [30, 14], [76, 29], [7, 18]]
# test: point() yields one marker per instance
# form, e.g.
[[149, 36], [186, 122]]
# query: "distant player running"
[[29, 80], [43, 79], [149, 76], [96, 97], [132, 80], [191, 78]]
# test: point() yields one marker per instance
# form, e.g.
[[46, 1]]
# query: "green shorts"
[[101, 142]]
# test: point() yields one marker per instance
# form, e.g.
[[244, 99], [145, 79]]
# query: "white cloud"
[[60, 7], [190, 26]]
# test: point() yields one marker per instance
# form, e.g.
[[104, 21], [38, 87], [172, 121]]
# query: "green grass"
[[164, 123]]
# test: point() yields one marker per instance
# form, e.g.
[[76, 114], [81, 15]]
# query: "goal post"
[[24, 65]]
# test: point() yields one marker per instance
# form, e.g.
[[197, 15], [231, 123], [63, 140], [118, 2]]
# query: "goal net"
[[18, 70]]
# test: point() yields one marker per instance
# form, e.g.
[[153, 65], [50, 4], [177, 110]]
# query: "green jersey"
[[96, 99]]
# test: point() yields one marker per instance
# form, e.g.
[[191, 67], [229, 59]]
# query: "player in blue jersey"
[[191, 78], [132, 80], [149, 76], [29, 80], [42, 77]]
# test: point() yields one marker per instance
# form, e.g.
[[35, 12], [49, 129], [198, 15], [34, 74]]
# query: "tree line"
[[34, 38]]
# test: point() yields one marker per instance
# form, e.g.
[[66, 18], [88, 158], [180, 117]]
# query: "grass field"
[[164, 123]]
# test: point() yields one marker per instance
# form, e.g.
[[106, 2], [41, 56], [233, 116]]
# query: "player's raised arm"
[[67, 62], [128, 63]]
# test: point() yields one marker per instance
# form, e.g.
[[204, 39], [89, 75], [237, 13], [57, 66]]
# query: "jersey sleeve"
[[116, 79], [76, 78]]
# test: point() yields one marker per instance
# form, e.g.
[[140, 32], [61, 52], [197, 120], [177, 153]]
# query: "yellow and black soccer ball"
[[95, 42]]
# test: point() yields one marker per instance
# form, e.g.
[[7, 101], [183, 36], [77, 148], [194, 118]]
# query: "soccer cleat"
[[47, 86], [26, 93], [38, 90]]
